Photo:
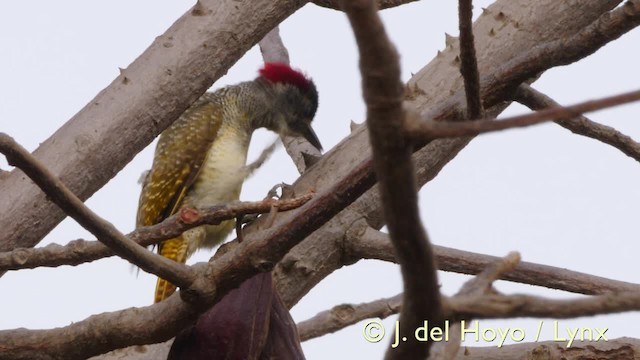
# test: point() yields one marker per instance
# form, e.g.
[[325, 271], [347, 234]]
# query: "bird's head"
[[296, 100]]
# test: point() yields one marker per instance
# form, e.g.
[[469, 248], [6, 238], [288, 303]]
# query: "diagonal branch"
[[468, 61], [82, 251], [383, 94], [58, 192], [535, 100], [430, 129]]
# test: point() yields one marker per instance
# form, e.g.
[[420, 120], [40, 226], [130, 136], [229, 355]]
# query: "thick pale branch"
[[608, 27], [383, 94], [125, 117], [535, 100], [106, 233], [468, 61], [373, 244], [440, 129], [81, 251]]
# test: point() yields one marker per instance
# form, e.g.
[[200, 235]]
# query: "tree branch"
[[383, 94], [430, 129], [373, 244], [80, 251], [56, 191], [535, 100], [468, 61]]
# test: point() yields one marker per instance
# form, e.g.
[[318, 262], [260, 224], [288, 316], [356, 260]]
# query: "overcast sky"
[[558, 198]]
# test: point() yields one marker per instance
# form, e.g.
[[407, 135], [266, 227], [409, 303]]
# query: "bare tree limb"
[[383, 94], [373, 244], [468, 61], [606, 28], [106, 233], [535, 100], [440, 129], [123, 118], [81, 251]]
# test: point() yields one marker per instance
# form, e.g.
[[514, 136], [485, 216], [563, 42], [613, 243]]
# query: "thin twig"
[[468, 61], [429, 130], [249, 169], [383, 93], [535, 100], [176, 273], [81, 251]]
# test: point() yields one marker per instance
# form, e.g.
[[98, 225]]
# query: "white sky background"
[[558, 198]]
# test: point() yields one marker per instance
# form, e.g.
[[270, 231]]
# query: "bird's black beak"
[[310, 135]]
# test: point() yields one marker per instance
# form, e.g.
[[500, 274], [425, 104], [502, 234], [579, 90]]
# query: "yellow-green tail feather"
[[176, 250]]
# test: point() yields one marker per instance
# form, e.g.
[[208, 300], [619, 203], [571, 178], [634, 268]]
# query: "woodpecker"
[[199, 159]]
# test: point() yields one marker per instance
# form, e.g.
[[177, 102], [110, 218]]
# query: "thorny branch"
[[104, 231], [535, 100], [383, 94]]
